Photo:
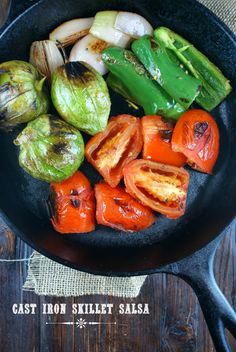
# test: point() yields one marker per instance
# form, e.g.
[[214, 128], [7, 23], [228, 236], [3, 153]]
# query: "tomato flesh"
[[161, 187], [109, 151], [157, 142], [72, 205], [117, 209], [197, 136]]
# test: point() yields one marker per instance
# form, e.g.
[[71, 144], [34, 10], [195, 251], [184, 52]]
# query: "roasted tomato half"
[[109, 151], [161, 187], [72, 205], [117, 209], [157, 142], [197, 136]]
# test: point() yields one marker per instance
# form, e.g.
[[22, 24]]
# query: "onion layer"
[[46, 56], [103, 28], [69, 32], [133, 24], [89, 50]]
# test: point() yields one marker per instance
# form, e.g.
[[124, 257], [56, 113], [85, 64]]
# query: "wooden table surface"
[[175, 322]]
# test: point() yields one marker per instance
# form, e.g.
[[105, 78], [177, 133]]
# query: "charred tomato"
[[119, 210], [161, 187], [109, 151], [72, 205], [197, 136], [157, 136]]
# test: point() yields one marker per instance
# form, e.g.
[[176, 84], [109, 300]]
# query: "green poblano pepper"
[[215, 86], [50, 149], [116, 85], [23, 96], [167, 70], [80, 95], [130, 79]]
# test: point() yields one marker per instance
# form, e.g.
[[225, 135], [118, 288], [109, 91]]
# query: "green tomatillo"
[[50, 149], [23, 96], [80, 95]]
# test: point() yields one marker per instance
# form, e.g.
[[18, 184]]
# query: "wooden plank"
[[175, 323], [4, 8]]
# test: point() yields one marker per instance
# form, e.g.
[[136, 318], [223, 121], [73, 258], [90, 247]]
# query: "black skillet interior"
[[211, 200]]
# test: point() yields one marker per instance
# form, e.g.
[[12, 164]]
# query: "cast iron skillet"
[[163, 247]]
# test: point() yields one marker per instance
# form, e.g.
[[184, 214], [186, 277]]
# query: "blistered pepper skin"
[[215, 86], [130, 78], [169, 72]]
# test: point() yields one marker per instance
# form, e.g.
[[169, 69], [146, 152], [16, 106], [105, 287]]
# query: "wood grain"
[[4, 8], [175, 323]]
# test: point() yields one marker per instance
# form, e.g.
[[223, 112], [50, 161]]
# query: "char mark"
[[59, 148], [75, 203], [75, 70], [200, 128]]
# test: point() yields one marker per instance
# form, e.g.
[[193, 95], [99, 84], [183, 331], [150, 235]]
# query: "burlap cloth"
[[46, 277]]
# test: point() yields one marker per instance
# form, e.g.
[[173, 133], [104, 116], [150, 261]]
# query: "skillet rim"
[[223, 27]]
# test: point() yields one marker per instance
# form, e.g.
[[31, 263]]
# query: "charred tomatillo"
[[80, 95], [51, 150], [23, 95]]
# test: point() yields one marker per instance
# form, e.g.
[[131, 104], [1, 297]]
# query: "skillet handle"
[[197, 271], [216, 309]]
